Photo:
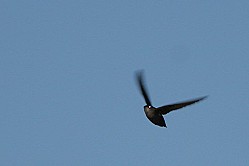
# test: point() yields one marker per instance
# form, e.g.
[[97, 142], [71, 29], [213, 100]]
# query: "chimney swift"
[[155, 115]]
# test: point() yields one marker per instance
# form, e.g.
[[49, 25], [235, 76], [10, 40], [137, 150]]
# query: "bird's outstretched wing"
[[140, 82], [168, 108]]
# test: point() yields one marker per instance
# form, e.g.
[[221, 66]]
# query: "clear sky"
[[69, 97]]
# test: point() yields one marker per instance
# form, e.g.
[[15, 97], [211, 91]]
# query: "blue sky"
[[68, 94]]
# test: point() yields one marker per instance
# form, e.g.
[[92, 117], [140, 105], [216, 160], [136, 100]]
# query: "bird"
[[155, 115]]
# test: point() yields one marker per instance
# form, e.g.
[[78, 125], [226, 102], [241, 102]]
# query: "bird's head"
[[148, 107]]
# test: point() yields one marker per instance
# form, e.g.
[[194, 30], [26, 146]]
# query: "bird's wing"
[[168, 108], [140, 82]]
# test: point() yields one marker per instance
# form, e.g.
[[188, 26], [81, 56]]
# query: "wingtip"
[[139, 74], [204, 97]]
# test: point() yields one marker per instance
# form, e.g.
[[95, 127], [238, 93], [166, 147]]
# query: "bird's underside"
[[155, 115]]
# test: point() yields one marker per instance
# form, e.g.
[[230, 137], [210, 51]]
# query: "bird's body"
[[155, 115]]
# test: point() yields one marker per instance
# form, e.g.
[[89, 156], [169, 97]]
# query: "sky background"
[[69, 97]]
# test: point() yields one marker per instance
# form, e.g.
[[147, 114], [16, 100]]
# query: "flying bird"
[[155, 115]]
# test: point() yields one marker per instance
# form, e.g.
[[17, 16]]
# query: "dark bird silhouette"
[[155, 115]]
